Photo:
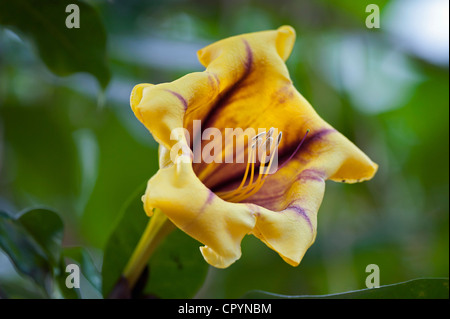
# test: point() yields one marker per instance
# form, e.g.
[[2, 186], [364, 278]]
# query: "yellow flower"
[[245, 85]]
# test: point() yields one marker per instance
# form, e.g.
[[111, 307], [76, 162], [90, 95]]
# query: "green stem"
[[158, 227]]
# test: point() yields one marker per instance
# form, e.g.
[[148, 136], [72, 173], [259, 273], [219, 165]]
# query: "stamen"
[[262, 176], [242, 192], [257, 137], [250, 159]]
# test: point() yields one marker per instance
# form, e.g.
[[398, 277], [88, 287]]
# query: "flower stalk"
[[158, 227]]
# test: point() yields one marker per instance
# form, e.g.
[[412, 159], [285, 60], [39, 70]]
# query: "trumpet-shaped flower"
[[246, 84]]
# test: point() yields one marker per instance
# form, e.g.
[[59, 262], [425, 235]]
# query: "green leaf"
[[32, 241], [422, 288], [19, 290], [24, 252], [124, 238], [176, 269], [64, 51], [47, 229]]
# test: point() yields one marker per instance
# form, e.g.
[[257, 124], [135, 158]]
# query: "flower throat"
[[245, 190]]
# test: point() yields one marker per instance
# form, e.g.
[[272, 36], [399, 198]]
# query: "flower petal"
[[287, 219], [193, 208]]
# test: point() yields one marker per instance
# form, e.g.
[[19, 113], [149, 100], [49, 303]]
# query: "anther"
[[251, 188], [269, 142], [257, 142], [258, 135]]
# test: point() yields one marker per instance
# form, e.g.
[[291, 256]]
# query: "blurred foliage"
[[33, 242], [63, 50], [67, 145]]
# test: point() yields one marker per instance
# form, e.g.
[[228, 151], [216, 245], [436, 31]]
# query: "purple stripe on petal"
[[294, 151], [317, 136], [249, 61], [210, 198], [179, 97], [214, 81], [300, 211], [226, 97], [217, 79], [208, 202], [311, 174]]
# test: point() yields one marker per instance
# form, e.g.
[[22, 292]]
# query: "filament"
[[251, 188]]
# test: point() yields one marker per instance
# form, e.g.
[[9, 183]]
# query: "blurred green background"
[[68, 145]]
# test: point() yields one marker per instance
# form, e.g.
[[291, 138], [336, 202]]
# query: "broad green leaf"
[[64, 51], [422, 288], [33, 243], [25, 252], [19, 290], [176, 269], [124, 238], [46, 228]]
